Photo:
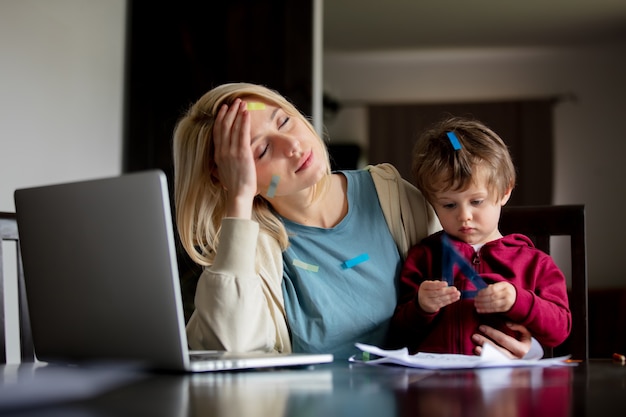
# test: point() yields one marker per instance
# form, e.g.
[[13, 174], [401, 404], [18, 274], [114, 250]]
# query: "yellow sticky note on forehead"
[[256, 106]]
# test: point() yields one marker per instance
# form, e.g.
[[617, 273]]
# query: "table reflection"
[[254, 393], [384, 390], [342, 389], [511, 392]]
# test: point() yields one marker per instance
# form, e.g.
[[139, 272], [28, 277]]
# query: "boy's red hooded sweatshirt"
[[541, 303]]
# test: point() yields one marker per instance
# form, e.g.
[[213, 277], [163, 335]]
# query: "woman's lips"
[[305, 161]]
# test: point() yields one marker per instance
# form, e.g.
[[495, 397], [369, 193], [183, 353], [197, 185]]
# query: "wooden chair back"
[[540, 223]]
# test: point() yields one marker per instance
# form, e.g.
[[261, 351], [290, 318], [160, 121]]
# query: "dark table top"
[[596, 388]]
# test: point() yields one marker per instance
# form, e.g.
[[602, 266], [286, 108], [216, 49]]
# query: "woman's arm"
[[236, 307]]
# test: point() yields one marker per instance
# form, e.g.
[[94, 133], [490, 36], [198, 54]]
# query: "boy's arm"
[[544, 310]]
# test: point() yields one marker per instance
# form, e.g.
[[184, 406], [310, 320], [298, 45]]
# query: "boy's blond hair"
[[438, 167]]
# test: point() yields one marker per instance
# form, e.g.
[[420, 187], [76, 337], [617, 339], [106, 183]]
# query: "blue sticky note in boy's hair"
[[454, 140]]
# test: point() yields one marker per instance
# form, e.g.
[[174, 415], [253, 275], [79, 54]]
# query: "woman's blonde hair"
[[198, 194], [439, 166]]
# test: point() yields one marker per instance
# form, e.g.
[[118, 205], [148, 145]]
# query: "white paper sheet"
[[490, 357]]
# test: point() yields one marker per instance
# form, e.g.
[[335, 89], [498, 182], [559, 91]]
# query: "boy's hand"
[[433, 295], [496, 298]]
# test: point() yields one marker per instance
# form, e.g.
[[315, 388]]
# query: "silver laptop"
[[102, 279]]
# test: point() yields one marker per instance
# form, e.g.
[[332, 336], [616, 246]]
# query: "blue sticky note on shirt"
[[355, 261]]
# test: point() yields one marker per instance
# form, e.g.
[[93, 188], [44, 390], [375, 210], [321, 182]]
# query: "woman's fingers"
[[233, 153], [510, 345], [240, 140], [226, 131]]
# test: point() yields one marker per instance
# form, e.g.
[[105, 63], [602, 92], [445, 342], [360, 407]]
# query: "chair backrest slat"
[[9, 232], [540, 223]]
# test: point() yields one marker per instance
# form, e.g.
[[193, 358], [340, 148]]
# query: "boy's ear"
[[506, 196]]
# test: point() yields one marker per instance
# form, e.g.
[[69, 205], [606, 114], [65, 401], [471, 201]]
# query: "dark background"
[[178, 50]]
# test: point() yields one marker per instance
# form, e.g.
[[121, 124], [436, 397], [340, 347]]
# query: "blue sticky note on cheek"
[[271, 191]]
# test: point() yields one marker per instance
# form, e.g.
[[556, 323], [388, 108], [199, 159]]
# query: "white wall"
[[61, 83], [590, 140], [61, 96]]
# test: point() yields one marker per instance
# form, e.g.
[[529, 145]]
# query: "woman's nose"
[[292, 147]]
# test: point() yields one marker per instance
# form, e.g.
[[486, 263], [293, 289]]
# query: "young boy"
[[469, 274]]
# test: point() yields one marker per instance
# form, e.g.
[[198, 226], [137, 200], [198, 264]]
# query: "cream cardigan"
[[239, 302]]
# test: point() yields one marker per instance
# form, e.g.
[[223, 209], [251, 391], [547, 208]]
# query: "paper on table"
[[490, 357]]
